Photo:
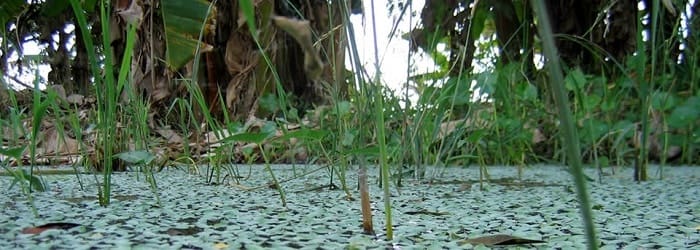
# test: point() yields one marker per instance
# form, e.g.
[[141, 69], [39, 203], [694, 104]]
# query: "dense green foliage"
[[513, 120], [644, 92]]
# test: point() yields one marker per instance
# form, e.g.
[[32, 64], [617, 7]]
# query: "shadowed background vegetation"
[[199, 68]]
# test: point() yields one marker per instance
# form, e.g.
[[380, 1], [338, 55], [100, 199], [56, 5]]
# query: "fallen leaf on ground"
[[42, 228], [499, 240]]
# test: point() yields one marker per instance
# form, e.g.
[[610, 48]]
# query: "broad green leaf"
[[591, 101], [637, 61], [136, 157], [247, 138], [476, 136], [292, 114], [686, 114], [456, 91], [486, 82], [519, 8], [15, 152], [25, 176], [36, 183], [306, 134], [348, 138], [693, 102], [575, 80], [268, 102], [526, 91], [478, 21], [428, 95], [343, 108], [623, 125], [180, 49], [593, 129], [683, 116], [623, 131], [441, 60], [663, 101], [269, 128], [608, 104], [248, 10], [189, 16], [247, 151], [235, 127], [184, 21], [367, 151]]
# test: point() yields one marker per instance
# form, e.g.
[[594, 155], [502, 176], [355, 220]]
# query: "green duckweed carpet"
[[440, 211]]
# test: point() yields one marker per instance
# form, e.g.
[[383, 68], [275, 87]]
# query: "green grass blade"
[[567, 125], [248, 11], [381, 133]]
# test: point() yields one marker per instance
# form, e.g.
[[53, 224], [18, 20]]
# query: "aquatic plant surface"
[[440, 211]]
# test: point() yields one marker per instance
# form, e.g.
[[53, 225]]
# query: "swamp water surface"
[[437, 214]]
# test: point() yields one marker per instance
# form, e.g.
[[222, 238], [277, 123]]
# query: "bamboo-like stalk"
[[367, 226], [381, 133], [362, 172]]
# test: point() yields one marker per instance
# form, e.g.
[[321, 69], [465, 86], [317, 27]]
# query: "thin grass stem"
[[566, 119]]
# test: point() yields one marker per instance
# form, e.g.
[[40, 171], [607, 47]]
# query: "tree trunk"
[[236, 70], [247, 75], [575, 19], [514, 35], [619, 38]]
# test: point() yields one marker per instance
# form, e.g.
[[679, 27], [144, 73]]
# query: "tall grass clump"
[[107, 90]]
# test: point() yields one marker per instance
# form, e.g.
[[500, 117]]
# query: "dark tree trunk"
[[515, 36], [575, 19], [80, 69], [507, 26], [448, 18], [619, 38], [58, 58], [461, 39], [247, 76]]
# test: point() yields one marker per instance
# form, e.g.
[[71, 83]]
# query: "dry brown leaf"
[[499, 240], [170, 135], [133, 14], [54, 143], [300, 30], [42, 228], [538, 136], [669, 7], [162, 155], [75, 99], [161, 90], [447, 128], [59, 90], [213, 137], [301, 155], [293, 126], [9, 132]]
